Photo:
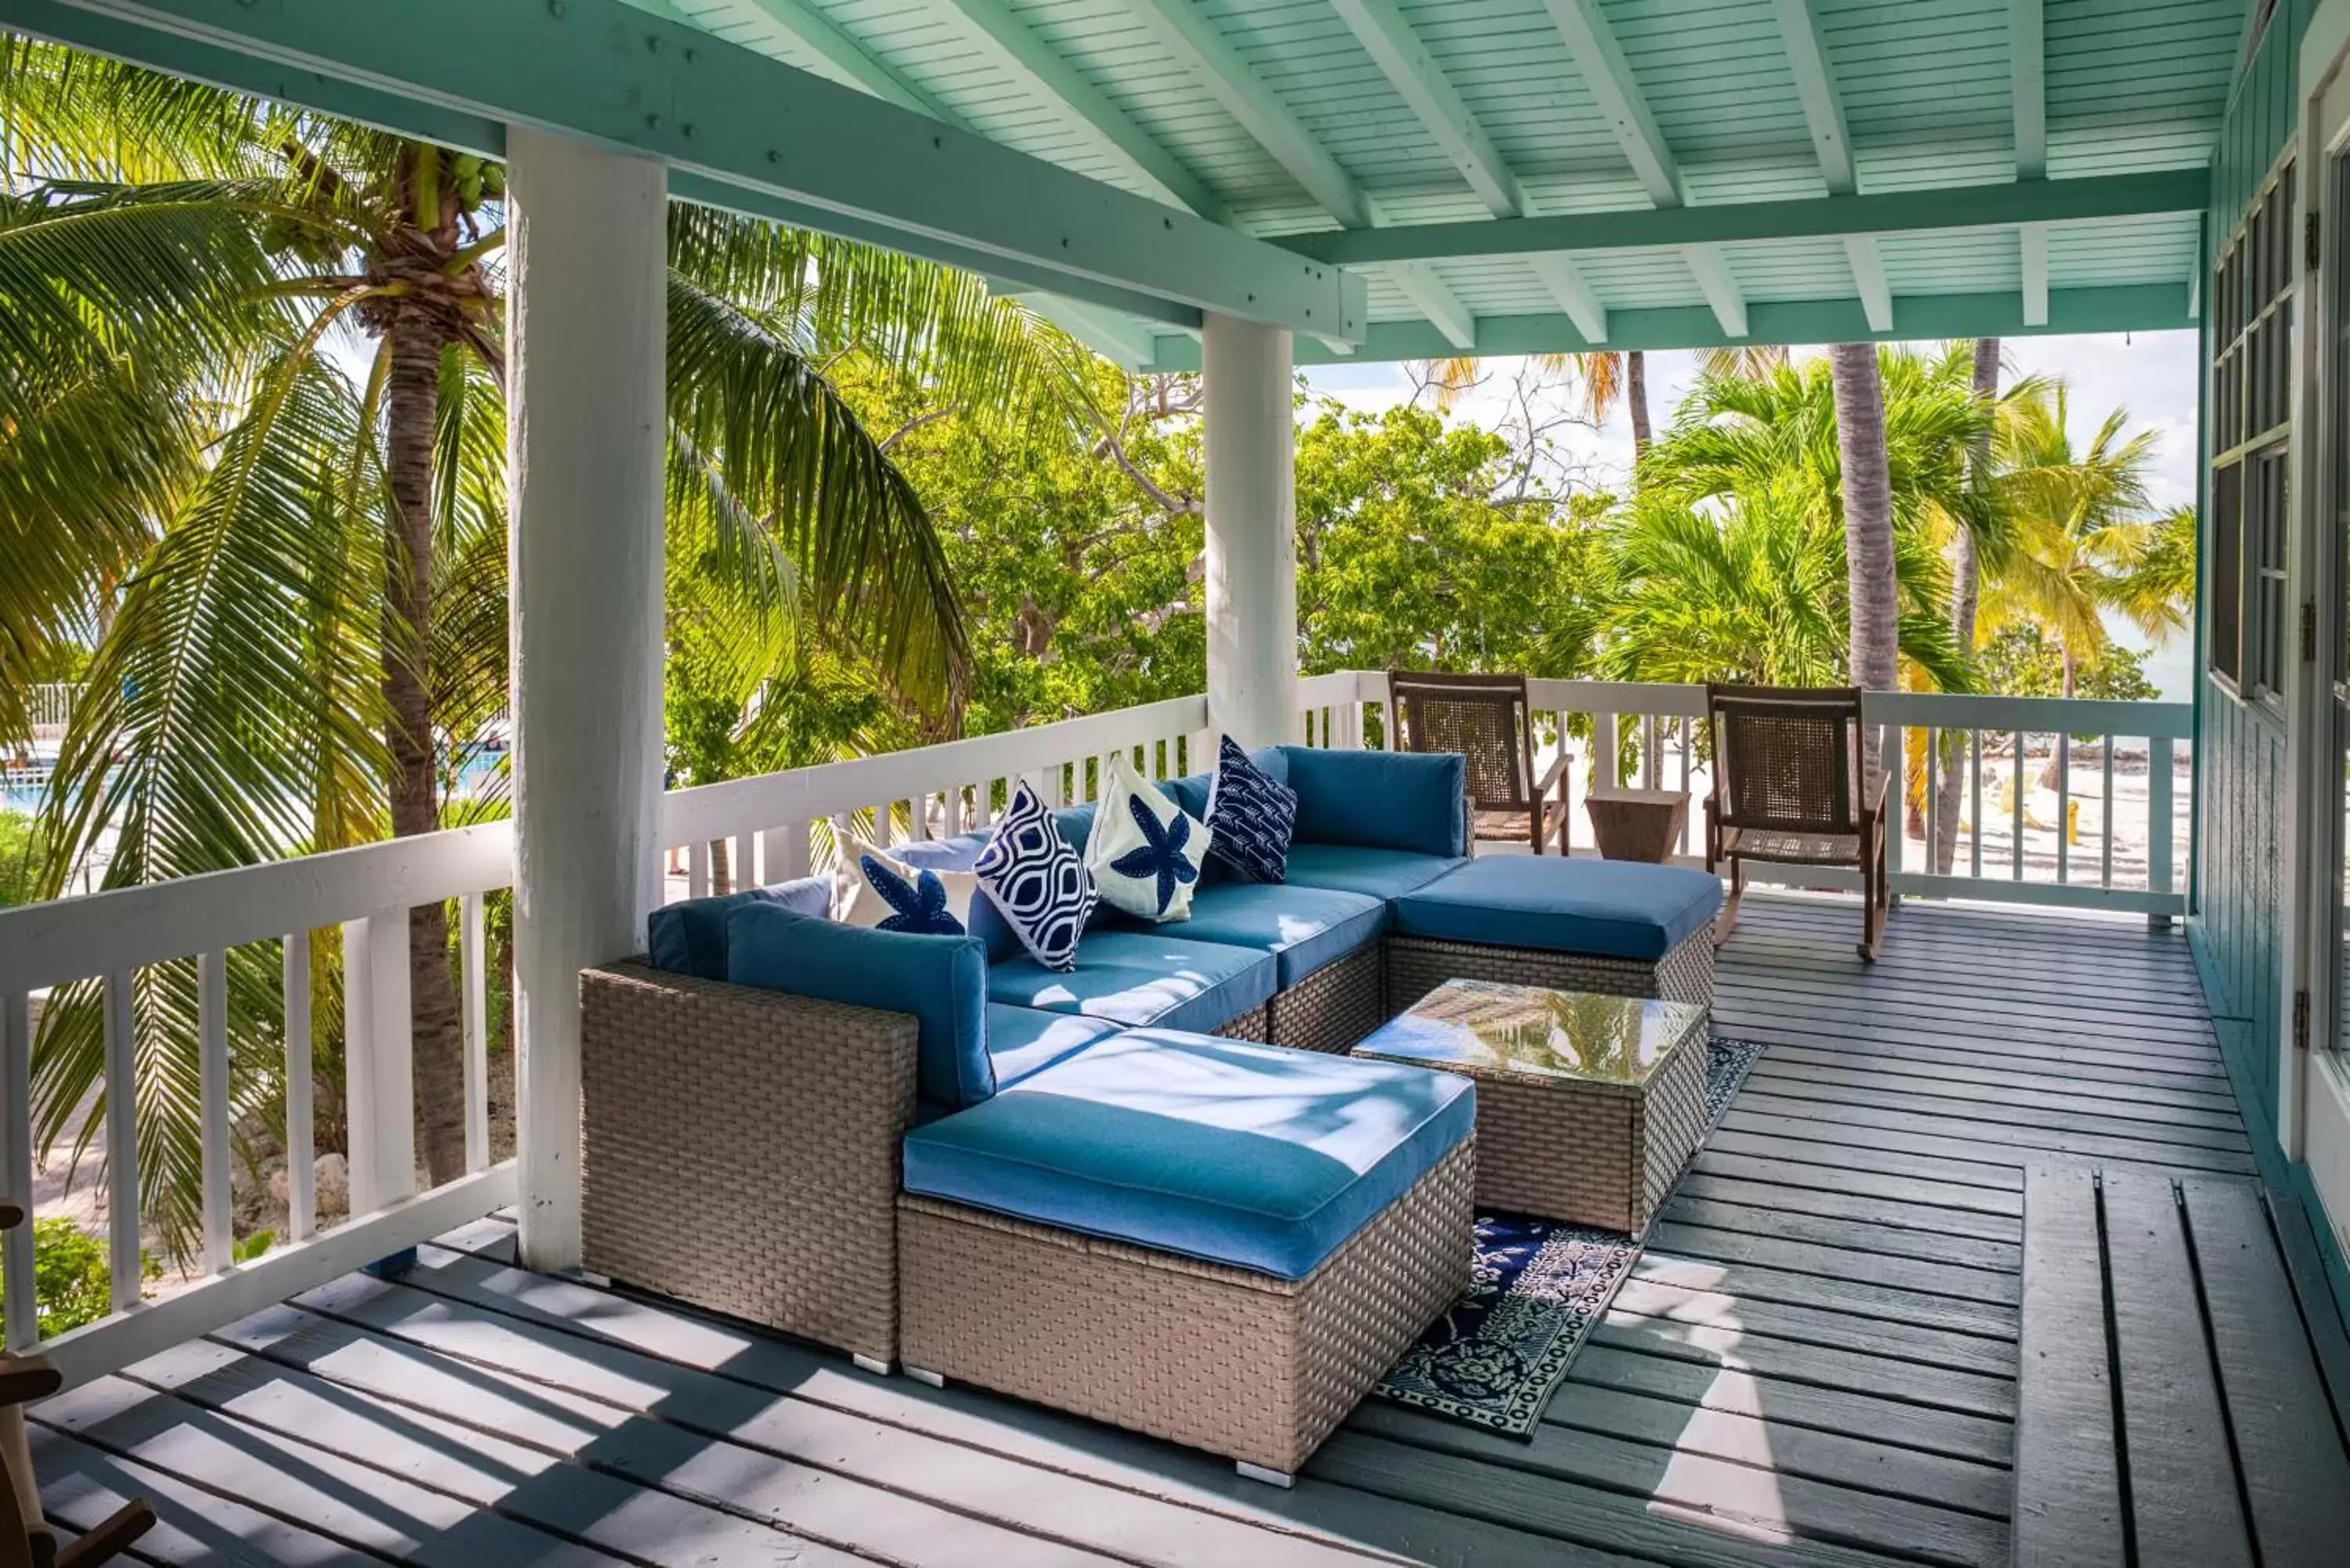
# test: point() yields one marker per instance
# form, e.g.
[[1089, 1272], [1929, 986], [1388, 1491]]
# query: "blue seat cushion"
[[942, 981], [1025, 1040], [689, 937], [1610, 908], [1140, 978], [1381, 800], [1376, 872], [1254, 1156], [1303, 928]]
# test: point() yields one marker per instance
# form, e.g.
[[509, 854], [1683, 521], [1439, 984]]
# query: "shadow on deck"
[[1952, 1169]]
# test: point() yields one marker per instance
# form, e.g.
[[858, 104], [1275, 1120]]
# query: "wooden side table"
[[1638, 823]]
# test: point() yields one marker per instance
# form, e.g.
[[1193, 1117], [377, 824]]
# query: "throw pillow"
[[1145, 850], [1251, 816], [1036, 882], [874, 887], [689, 937]]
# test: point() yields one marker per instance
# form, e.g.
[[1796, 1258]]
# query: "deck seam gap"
[[2114, 1372], [2218, 1371]]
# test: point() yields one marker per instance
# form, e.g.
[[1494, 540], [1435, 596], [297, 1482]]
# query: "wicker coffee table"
[[1587, 1105]]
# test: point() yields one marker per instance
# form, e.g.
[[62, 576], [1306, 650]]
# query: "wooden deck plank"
[[81, 1485], [2068, 1496], [1694, 1259], [1936, 1289], [1647, 1296], [2194, 1130], [2185, 1508], [1822, 1146], [1893, 1422], [1750, 1211], [1875, 1037], [1973, 1139], [1926, 1062], [1840, 1459], [1804, 1181], [1800, 1361], [2126, 1102], [348, 1502], [1673, 1476], [2289, 1451]]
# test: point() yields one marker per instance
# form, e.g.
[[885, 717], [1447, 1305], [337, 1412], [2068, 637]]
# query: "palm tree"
[[1966, 574], [252, 367]]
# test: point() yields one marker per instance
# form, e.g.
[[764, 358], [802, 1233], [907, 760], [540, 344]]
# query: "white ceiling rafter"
[[1018, 49], [2027, 56], [789, 28], [1607, 74], [1228, 79], [1387, 36], [1815, 85]]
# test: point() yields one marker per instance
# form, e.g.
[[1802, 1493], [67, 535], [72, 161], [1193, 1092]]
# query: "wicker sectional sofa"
[[1153, 1191]]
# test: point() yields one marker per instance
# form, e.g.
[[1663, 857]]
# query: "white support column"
[[585, 349], [1251, 577]]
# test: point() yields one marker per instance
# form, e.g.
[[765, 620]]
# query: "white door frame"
[[2312, 1108]]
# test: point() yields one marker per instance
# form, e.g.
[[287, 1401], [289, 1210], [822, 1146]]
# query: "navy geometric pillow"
[[1251, 814], [1038, 884]]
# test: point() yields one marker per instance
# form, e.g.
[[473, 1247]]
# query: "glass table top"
[[1492, 1027]]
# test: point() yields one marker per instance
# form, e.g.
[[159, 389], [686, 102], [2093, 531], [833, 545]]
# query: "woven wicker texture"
[[1790, 758], [1249, 1026], [1418, 965], [1482, 717], [1601, 1154], [1786, 848], [1239, 1363], [741, 1150], [1334, 1007]]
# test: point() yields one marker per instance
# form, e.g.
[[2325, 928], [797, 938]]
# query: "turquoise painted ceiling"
[[1281, 117]]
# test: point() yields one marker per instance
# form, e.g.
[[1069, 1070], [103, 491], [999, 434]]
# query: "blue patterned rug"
[[1535, 1290]]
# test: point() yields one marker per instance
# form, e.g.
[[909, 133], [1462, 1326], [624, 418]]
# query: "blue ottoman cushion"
[[1376, 872], [1138, 978], [1025, 1039], [1254, 1156], [1608, 909], [1303, 928]]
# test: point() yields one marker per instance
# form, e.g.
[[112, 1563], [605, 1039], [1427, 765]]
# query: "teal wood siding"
[[2240, 764]]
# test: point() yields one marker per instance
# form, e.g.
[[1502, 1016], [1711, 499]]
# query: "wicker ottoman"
[[1418, 965], [1244, 1364], [1588, 1105]]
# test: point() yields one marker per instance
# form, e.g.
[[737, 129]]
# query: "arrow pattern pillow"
[[1144, 851], [1252, 815], [1036, 882]]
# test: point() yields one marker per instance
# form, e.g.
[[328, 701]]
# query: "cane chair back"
[[1786, 761], [1484, 718]]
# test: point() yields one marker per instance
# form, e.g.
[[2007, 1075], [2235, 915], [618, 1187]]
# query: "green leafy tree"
[[251, 363]]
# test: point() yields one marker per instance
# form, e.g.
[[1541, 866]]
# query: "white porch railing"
[[110, 938], [52, 707], [2122, 813], [2106, 829]]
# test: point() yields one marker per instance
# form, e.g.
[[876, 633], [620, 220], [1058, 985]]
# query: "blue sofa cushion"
[[1025, 1040], [1303, 928], [1138, 978], [1379, 873], [1611, 909], [1036, 881], [1251, 816], [1254, 1156], [689, 937], [1381, 800], [942, 981]]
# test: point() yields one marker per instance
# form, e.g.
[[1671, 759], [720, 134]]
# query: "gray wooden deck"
[[1817, 1361]]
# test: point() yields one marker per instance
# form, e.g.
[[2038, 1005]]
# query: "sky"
[[2150, 374]]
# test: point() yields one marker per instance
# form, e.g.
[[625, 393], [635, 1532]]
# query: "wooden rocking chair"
[[27, 1540], [1486, 718], [1787, 769]]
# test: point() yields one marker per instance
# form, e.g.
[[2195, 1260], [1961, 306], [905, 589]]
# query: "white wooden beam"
[[1016, 48], [2027, 62], [1430, 297], [1574, 295], [1815, 85], [2033, 238], [1613, 87], [1224, 76], [794, 30], [1868, 281], [1711, 270], [1230, 80], [1379, 25]]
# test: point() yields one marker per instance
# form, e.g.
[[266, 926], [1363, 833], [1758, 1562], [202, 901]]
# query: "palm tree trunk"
[[2063, 738], [411, 404], [1966, 592], [1868, 529], [1635, 395]]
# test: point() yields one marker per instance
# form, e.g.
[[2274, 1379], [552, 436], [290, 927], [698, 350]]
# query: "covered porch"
[[1982, 1265], [1947, 1232]]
